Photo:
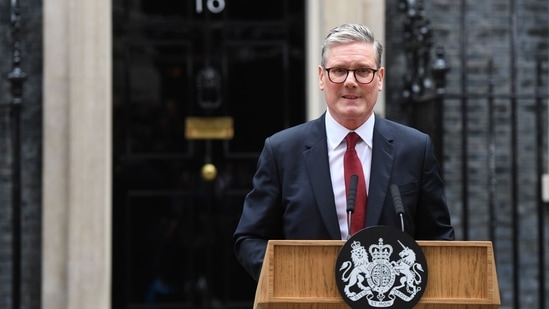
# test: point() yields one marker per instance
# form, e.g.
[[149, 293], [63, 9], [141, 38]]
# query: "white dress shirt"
[[335, 134]]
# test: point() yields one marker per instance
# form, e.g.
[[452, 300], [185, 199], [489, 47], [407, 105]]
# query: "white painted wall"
[[76, 202]]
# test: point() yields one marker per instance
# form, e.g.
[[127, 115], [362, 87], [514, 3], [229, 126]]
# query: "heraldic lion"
[[359, 273]]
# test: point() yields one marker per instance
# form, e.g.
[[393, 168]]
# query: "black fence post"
[[16, 77]]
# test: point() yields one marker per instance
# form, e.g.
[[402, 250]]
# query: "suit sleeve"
[[432, 217], [258, 221]]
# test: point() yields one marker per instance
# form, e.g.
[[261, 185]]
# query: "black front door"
[[197, 86]]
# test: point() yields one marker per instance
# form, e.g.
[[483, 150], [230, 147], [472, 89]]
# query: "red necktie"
[[352, 166]]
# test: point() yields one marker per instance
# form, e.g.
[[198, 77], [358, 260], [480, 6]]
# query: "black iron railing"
[[17, 77]]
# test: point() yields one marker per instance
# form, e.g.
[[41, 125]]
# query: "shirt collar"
[[336, 133]]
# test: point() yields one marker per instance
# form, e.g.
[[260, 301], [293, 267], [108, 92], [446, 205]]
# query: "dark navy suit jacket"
[[292, 195]]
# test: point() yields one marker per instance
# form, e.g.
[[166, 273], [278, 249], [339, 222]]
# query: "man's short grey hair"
[[348, 33]]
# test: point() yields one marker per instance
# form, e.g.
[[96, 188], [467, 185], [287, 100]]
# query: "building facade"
[[59, 135]]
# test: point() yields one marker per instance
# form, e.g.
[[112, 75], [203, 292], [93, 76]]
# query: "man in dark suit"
[[299, 187]]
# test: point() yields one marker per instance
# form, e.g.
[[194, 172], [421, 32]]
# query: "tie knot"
[[352, 139]]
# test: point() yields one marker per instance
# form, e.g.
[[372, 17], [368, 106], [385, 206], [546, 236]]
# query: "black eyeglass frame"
[[354, 74]]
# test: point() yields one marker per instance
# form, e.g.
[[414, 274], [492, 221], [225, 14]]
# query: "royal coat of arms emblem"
[[381, 267]]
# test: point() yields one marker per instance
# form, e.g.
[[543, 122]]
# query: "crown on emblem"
[[380, 251], [356, 246]]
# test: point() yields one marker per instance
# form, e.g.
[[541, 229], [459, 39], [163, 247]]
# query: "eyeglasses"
[[362, 75]]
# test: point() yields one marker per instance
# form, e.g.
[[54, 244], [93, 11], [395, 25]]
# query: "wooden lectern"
[[299, 274]]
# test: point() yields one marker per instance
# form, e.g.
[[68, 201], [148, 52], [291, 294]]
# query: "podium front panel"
[[301, 275]]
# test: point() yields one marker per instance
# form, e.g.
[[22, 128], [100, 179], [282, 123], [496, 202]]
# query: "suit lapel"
[[316, 161], [382, 162]]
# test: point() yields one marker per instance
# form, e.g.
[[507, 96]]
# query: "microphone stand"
[[351, 200]]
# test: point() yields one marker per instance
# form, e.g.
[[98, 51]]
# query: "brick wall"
[[488, 36]]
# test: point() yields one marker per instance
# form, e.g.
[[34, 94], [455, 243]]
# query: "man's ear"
[[320, 77], [381, 76]]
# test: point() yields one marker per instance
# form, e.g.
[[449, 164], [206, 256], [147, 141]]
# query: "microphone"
[[351, 200], [397, 203]]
